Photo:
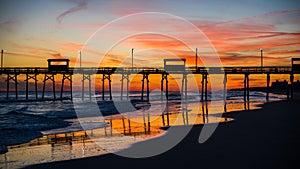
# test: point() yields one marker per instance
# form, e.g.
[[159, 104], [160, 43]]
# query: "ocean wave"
[[22, 121], [77, 127], [17, 128]]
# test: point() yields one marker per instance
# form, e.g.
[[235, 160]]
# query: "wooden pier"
[[106, 72], [86, 72]]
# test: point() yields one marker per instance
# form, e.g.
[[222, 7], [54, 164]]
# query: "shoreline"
[[259, 138], [38, 134]]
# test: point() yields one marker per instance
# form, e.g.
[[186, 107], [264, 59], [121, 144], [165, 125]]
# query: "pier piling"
[[184, 86], [34, 77], [125, 76], [145, 77], [106, 76], [86, 77], [164, 76], [46, 78], [14, 78], [66, 77]]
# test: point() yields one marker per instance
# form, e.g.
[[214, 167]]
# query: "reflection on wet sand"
[[149, 124], [124, 129]]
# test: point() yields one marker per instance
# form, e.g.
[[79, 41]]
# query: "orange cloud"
[[238, 41]]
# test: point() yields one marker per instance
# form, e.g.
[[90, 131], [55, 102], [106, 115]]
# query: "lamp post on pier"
[[132, 58], [261, 57], [196, 59], [79, 59], [2, 53]]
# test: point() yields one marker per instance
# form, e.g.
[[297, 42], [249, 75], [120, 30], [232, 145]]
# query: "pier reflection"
[[172, 115], [125, 129], [246, 105], [205, 112]]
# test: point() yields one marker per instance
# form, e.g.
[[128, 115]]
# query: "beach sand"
[[264, 138]]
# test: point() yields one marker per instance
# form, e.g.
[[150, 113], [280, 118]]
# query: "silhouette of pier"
[[67, 72]]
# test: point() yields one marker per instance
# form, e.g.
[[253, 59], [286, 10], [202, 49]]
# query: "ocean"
[[43, 131]]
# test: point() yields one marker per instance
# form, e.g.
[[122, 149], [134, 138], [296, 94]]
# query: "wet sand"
[[262, 138]]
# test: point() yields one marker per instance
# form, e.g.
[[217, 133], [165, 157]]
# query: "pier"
[[67, 72]]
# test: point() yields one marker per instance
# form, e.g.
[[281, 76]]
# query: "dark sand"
[[264, 138]]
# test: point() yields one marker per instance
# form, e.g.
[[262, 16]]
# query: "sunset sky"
[[33, 31]]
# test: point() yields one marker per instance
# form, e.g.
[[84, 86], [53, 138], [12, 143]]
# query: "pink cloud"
[[10, 25], [238, 41], [80, 6], [32, 49], [13, 54], [61, 45]]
